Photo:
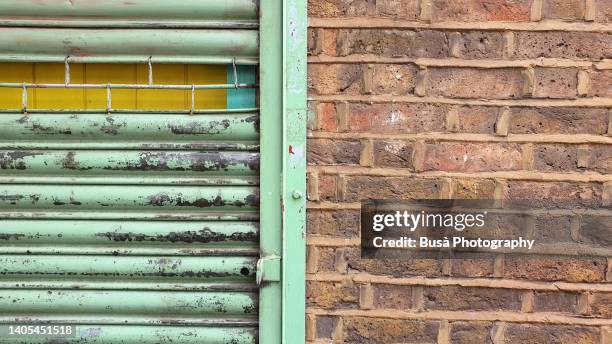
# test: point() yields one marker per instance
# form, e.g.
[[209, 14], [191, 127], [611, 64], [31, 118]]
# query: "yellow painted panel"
[[58, 98], [110, 73], [117, 73], [11, 98]]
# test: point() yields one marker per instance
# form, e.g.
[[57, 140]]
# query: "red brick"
[[557, 194], [472, 157], [553, 268], [393, 154], [401, 9], [339, 8], [396, 118], [332, 294], [494, 83], [558, 121], [326, 117], [474, 332], [472, 267], [478, 119], [563, 9], [335, 78], [553, 228], [385, 331], [481, 10], [601, 83], [343, 223], [551, 158], [558, 44], [333, 152], [555, 301], [395, 79], [603, 13], [392, 296], [481, 45], [600, 159], [455, 298], [393, 43], [328, 188], [369, 187], [601, 304], [548, 334], [556, 83]]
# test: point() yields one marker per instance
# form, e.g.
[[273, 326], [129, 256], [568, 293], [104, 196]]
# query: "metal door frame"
[[282, 75]]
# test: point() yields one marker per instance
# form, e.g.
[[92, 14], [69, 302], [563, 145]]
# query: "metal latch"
[[268, 269]]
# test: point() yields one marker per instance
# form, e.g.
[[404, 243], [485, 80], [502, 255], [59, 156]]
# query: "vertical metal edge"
[[294, 171], [271, 127]]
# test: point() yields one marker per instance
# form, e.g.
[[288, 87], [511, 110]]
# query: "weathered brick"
[[343, 223], [558, 44], [481, 45], [493, 83], [339, 8], [326, 257], [385, 331], [558, 121], [553, 229], [601, 83], [392, 296], [555, 301], [556, 158], [600, 158], [393, 267], [326, 117], [601, 304], [328, 188], [596, 230], [369, 187], [472, 157], [474, 189], [548, 334], [554, 268], [557, 194], [556, 83], [476, 267], [333, 152], [395, 79], [603, 13], [455, 298], [325, 326], [393, 43], [481, 10], [332, 294], [563, 9], [477, 119], [396, 118], [473, 332], [335, 78], [393, 154], [401, 9]]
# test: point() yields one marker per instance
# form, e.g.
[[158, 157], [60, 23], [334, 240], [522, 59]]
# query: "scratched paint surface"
[[134, 227]]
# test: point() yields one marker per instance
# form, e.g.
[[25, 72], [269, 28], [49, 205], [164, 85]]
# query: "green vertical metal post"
[[271, 125], [294, 170]]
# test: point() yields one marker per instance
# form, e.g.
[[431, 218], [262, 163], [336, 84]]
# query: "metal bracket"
[[268, 269]]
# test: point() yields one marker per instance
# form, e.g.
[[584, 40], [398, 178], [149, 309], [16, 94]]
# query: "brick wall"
[[458, 99]]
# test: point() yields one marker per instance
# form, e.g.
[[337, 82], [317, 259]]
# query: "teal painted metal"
[[154, 335], [119, 45], [271, 208], [294, 170], [242, 98], [133, 13], [283, 72]]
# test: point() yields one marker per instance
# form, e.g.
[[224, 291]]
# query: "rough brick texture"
[[473, 99]]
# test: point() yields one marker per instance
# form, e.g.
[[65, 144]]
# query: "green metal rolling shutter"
[[137, 227]]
